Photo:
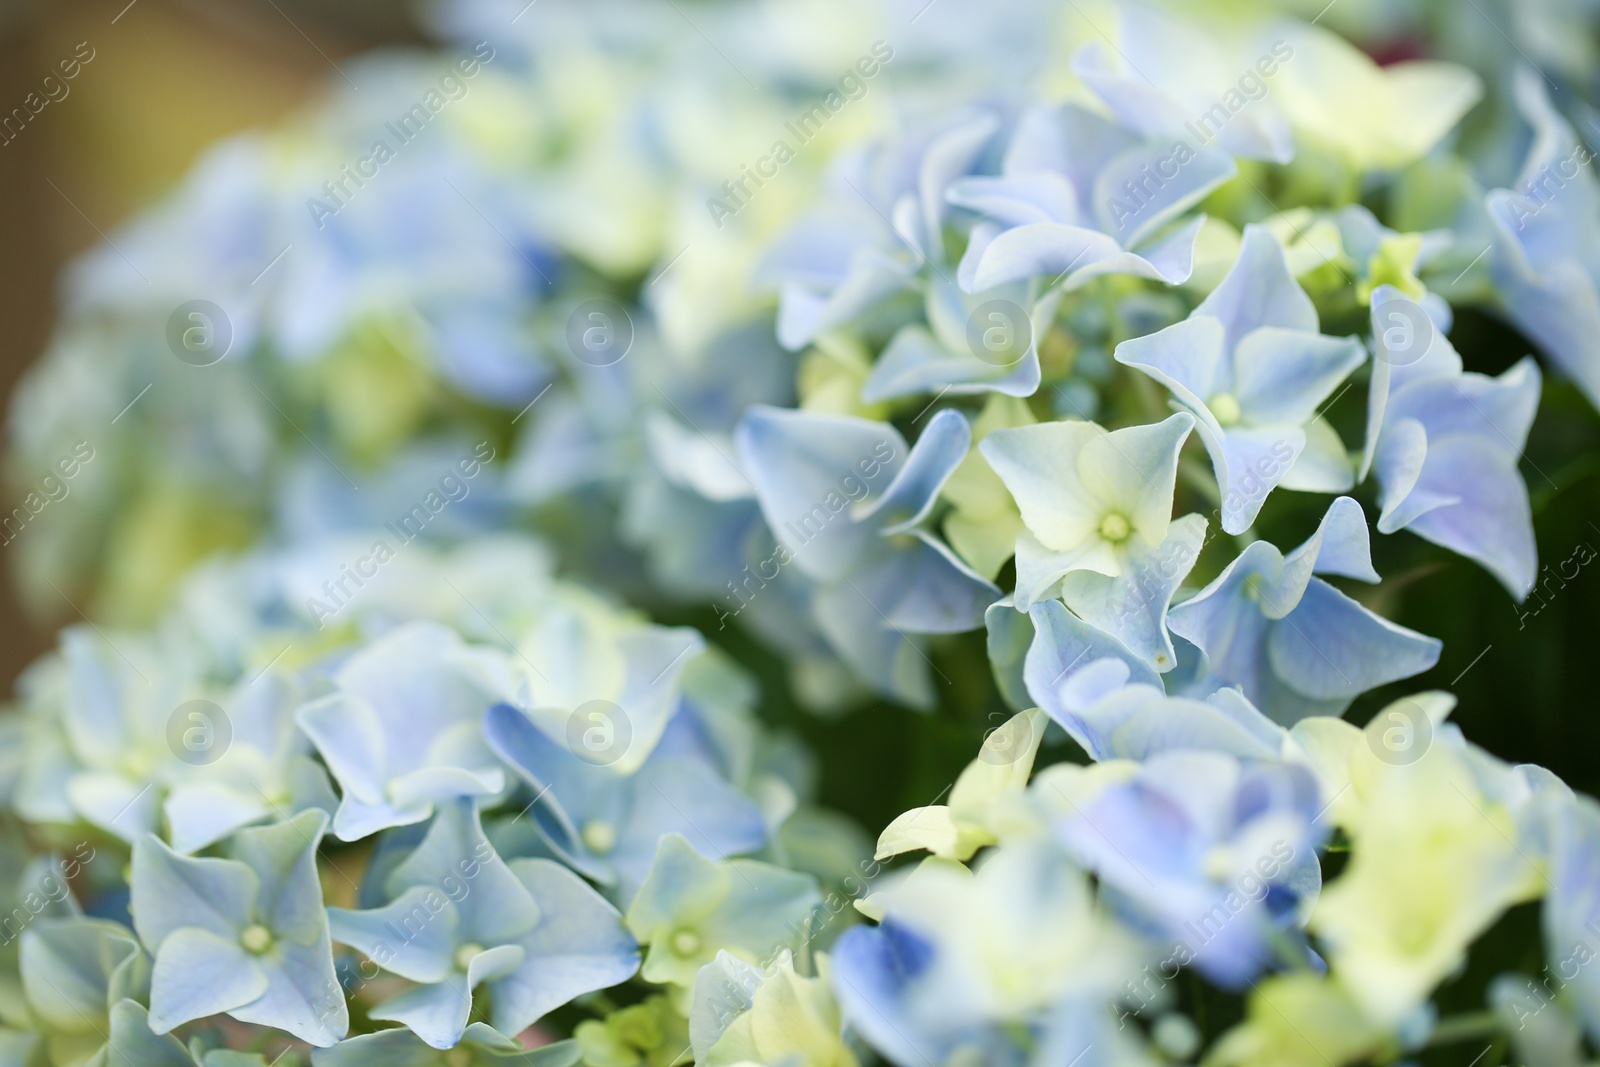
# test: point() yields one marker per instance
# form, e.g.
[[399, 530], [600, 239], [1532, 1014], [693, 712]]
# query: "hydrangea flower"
[[1419, 890], [246, 935], [1113, 705], [1079, 197], [1089, 497], [1370, 117], [1294, 644], [692, 909], [1446, 444], [846, 499], [883, 222], [112, 746], [1219, 856], [1168, 77], [921, 987], [1253, 367], [605, 824], [743, 1015], [459, 916], [1545, 230], [402, 730]]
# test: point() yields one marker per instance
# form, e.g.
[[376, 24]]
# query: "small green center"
[[256, 939], [1115, 528], [1225, 406], [467, 953], [599, 835], [686, 942], [457, 1057]]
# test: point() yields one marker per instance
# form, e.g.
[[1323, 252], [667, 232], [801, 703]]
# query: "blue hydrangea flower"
[[577, 649], [1167, 77], [403, 729], [460, 917], [883, 222], [1217, 855], [246, 935], [1252, 365], [106, 749], [1090, 499], [972, 343], [690, 908], [1446, 444], [1294, 644], [605, 824], [1111, 702], [1546, 235], [1079, 197], [846, 499], [966, 963]]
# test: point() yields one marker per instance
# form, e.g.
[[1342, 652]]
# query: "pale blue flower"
[[1167, 77], [884, 221], [1079, 197], [1112, 703], [847, 499], [246, 935], [1090, 500], [1294, 644], [1446, 444], [972, 343], [402, 730], [1547, 241], [604, 824], [1252, 366], [971, 963], [533, 932], [877, 971], [690, 908], [1214, 856]]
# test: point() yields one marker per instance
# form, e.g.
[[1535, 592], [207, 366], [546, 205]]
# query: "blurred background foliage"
[[168, 79]]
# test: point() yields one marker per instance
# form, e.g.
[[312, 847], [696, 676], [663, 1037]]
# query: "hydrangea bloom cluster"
[[473, 527]]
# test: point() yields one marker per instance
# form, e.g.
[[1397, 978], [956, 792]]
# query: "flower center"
[[1225, 406], [256, 939], [599, 835], [457, 1057], [467, 953], [1115, 528], [686, 942]]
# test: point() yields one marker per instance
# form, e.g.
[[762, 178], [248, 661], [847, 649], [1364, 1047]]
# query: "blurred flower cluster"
[[480, 486]]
